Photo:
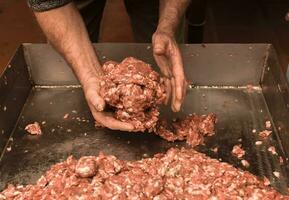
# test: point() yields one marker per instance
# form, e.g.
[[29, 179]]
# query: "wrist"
[[89, 75], [165, 30]]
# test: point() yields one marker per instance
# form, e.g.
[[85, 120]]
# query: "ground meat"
[[192, 128], [134, 90], [178, 174], [277, 174], [281, 161], [215, 149], [272, 149], [86, 167], [268, 124], [34, 129], [264, 134], [238, 151], [66, 116], [245, 163]]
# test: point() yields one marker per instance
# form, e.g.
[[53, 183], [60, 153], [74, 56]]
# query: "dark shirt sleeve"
[[43, 5]]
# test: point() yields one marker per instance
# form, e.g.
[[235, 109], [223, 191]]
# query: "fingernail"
[[99, 106], [177, 107]]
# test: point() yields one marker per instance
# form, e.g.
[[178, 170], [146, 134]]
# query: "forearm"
[[65, 30], [171, 12]]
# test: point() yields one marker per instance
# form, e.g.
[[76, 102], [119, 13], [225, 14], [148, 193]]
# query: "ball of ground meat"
[[134, 90], [86, 167]]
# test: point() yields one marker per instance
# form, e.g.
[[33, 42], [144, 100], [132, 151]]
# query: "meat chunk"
[[245, 163], [192, 128], [177, 174], [272, 149], [134, 90], [238, 151], [86, 167], [268, 124], [34, 128], [264, 134]]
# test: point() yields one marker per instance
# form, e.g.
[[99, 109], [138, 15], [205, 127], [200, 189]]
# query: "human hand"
[[96, 104], [169, 59]]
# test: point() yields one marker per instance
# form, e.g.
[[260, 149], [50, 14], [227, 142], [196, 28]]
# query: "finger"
[[185, 89], [168, 90], [159, 45], [178, 73], [112, 123], [164, 65], [98, 103], [108, 121], [174, 105], [95, 100]]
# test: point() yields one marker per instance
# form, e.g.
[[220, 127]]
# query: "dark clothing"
[[92, 15], [196, 19], [43, 5], [143, 14], [144, 17]]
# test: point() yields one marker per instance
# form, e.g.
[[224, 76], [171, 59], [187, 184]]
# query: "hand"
[[97, 105], [168, 57]]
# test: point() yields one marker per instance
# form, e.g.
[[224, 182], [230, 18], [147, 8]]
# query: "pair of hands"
[[168, 57]]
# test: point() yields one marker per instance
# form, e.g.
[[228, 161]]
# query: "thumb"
[[97, 102], [159, 46]]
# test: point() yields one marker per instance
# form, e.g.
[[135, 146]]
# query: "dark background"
[[227, 21]]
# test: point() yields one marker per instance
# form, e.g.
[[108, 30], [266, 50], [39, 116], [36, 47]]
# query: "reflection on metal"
[[57, 86], [231, 80]]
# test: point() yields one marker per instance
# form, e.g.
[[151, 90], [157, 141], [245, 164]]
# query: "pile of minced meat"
[[134, 91]]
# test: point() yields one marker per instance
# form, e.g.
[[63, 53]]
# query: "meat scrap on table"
[[34, 128], [238, 151], [264, 134], [272, 149], [192, 128]]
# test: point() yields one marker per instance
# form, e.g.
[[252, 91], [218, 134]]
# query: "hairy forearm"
[[171, 12], [65, 30]]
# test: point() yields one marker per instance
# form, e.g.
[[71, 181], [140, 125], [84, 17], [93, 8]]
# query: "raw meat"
[[264, 134], [34, 129], [134, 90], [192, 128], [238, 151], [245, 163], [277, 174], [272, 149], [66, 116], [268, 124], [178, 174], [86, 167]]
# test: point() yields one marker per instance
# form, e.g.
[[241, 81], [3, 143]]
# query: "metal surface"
[[222, 73], [14, 89], [214, 64]]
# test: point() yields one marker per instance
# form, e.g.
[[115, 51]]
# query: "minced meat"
[[178, 174], [134, 90]]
